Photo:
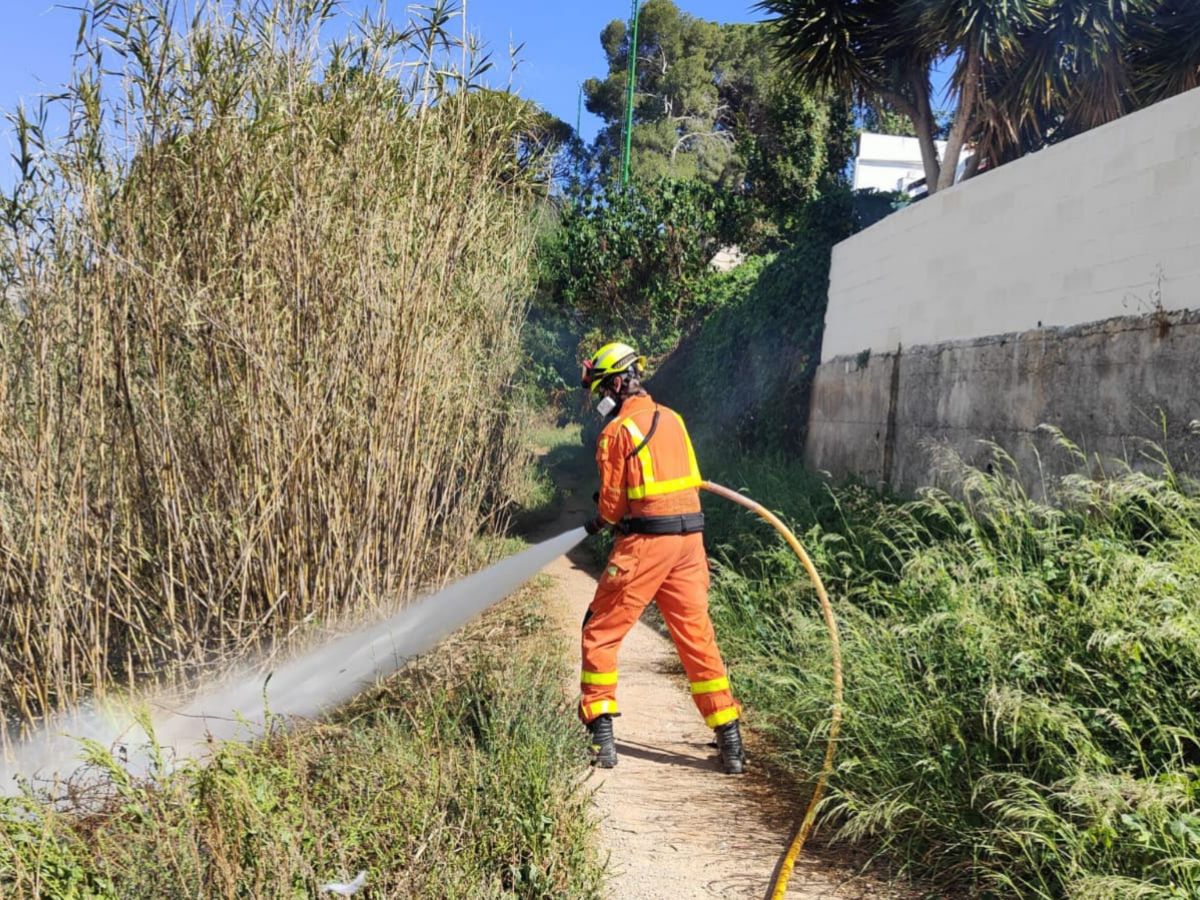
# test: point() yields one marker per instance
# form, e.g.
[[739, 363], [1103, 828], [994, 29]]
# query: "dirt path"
[[675, 826]]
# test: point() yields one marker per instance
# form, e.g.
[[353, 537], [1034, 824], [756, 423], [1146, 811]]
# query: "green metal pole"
[[629, 92]]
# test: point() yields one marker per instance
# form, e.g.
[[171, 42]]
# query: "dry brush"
[[261, 307]]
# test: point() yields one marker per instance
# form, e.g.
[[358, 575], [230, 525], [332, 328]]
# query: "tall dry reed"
[[261, 309]]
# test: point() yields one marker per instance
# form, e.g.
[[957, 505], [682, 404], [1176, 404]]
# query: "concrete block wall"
[[1106, 224], [850, 407], [1120, 389], [1062, 289]]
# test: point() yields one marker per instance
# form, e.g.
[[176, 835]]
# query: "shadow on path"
[[665, 757]]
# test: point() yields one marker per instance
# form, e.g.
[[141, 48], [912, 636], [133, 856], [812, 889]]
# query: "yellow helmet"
[[611, 359]]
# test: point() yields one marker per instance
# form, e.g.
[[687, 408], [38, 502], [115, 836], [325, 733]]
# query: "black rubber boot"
[[604, 749], [729, 742]]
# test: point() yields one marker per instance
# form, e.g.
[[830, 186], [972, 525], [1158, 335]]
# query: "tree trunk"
[[962, 120], [924, 124], [921, 116]]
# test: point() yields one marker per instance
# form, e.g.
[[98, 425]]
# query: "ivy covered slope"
[[743, 376]]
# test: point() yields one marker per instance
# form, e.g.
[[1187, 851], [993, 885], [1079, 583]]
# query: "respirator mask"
[[606, 406]]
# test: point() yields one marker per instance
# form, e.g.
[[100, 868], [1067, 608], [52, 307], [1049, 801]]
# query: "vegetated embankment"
[[459, 778], [260, 308], [1021, 678], [745, 374]]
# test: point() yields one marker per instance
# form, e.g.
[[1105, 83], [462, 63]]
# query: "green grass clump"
[[1022, 679], [460, 778], [561, 462]]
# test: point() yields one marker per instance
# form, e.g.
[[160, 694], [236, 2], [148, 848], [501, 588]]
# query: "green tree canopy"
[[629, 260], [792, 147], [695, 80], [711, 105]]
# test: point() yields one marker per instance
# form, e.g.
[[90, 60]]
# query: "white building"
[[727, 258], [887, 162]]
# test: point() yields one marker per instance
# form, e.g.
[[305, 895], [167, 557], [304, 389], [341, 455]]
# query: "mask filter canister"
[[606, 406]]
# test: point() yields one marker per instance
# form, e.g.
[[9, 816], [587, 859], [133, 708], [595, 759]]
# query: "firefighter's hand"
[[594, 526]]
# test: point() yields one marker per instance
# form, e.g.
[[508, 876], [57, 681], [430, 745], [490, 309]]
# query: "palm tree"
[[1026, 72], [1166, 50], [1068, 71], [849, 46]]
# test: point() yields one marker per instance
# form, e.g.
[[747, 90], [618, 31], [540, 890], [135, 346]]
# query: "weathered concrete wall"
[[850, 409], [1108, 386], [1106, 224]]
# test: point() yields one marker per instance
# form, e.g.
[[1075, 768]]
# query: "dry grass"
[[263, 304], [461, 777]]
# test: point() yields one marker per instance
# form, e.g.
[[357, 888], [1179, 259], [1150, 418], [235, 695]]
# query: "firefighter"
[[650, 495]]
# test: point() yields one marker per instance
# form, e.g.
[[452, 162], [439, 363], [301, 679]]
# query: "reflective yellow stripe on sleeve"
[[711, 686], [586, 677], [721, 716]]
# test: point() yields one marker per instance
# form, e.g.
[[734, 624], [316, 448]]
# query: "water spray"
[[305, 687], [327, 676]]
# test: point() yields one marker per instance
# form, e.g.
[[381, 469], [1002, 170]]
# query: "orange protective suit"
[[659, 479]]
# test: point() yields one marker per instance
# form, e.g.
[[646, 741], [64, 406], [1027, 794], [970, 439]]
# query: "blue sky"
[[562, 41], [561, 46]]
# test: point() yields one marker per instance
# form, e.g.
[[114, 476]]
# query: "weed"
[[1022, 700], [459, 778]]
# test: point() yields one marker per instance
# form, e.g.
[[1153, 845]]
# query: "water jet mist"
[[237, 708]]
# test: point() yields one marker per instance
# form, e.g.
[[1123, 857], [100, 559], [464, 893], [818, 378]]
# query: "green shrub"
[[1022, 680], [629, 262]]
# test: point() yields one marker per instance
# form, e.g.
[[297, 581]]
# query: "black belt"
[[689, 523]]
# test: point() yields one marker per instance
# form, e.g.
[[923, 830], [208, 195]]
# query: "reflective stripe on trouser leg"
[[586, 677], [715, 701], [589, 711], [630, 576], [710, 686], [721, 716], [598, 697]]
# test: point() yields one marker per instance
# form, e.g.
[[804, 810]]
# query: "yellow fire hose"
[[784, 871]]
